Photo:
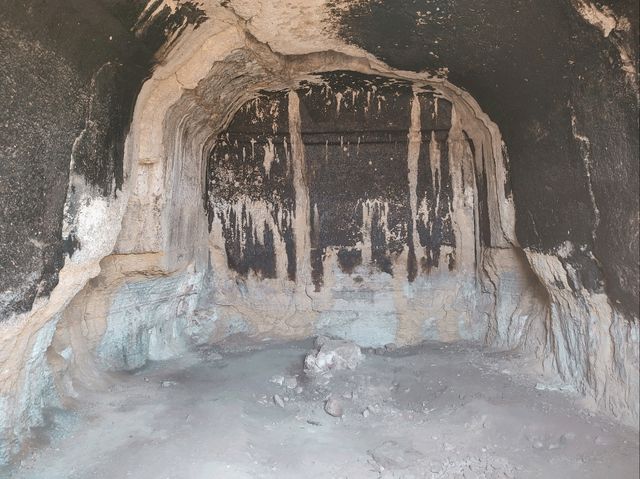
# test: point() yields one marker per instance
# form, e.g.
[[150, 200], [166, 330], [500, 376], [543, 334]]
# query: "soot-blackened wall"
[[70, 72], [560, 80], [369, 233]]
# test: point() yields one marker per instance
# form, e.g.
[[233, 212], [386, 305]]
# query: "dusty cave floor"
[[433, 411]]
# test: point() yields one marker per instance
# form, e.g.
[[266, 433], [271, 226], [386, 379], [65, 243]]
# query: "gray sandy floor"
[[432, 411]]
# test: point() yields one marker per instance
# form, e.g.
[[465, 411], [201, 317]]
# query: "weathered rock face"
[[70, 74], [362, 192], [560, 79], [67, 100], [278, 181]]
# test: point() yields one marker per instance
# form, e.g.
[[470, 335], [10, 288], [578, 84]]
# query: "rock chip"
[[333, 407], [291, 382], [391, 455], [277, 400], [277, 379]]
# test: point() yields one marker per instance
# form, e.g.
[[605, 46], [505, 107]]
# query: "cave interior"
[[369, 238]]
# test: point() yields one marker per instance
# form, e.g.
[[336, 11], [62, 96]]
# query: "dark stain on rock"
[[355, 130], [349, 259], [69, 70], [525, 62], [246, 250], [317, 268], [251, 164], [434, 189], [484, 219]]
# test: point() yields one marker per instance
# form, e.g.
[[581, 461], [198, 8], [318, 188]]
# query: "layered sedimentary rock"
[[279, 182]]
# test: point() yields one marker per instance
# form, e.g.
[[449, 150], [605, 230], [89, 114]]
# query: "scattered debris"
[[351, 420], [279, 380], [374, 409], [333, 354]]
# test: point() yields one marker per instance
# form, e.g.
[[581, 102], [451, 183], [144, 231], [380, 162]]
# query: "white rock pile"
[[332, 354]]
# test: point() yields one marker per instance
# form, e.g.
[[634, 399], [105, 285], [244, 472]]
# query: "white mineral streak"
[[338, 102], [303, 206], [434, 160], [604, 19], [270, 155], [413, 156], [463, 201], [287, 154], [585, 150]]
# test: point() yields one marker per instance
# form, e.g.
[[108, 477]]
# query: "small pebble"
[[279, 380], [278, 400], [601, 441], [333, 407], [291, 382]]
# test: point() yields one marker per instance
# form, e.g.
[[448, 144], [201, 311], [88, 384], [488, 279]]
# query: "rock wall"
[[560, 79], [71, 72], [359, 191]]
